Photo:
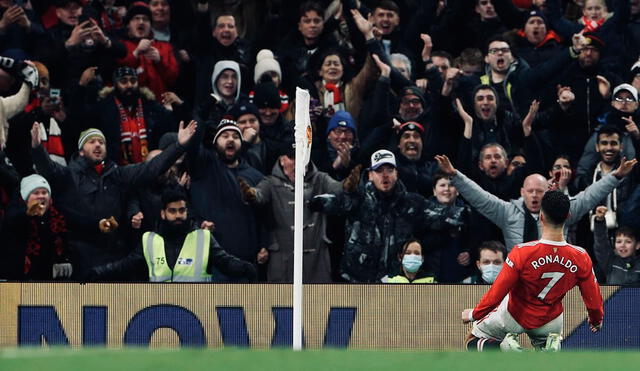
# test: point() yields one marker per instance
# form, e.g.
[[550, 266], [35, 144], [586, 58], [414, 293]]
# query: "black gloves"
[[20, 70]]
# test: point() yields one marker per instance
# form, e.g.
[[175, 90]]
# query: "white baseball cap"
[[628, 88], [382, 157]]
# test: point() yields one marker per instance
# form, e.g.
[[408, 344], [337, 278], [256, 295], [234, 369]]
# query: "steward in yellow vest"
[[177, 252]]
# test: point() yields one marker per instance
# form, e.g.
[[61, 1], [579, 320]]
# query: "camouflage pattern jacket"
[[378, 225]]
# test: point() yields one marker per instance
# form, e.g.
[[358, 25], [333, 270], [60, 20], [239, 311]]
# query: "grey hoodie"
[[218, 69]]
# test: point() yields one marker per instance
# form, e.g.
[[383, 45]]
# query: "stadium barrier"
[[259, 316]]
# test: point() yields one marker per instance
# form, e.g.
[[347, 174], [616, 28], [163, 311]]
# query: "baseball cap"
[[628, 88], [382, 157]]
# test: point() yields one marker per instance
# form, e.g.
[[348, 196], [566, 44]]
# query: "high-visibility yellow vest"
[[403, 279], [191, 265], [485, 80]]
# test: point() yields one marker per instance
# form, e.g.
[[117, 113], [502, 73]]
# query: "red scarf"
[[591, 26], [335, 89], [57, 227], [133, 135], [551, 35]]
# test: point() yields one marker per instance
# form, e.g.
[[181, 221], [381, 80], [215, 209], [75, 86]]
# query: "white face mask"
[[490, 272], [412, 263]]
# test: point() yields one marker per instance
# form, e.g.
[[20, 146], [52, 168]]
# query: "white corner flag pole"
[[303, 134]]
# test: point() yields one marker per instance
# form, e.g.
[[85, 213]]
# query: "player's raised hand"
[[625, 168], [445, 165], [465, 315]]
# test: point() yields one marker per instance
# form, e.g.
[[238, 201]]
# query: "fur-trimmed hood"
[[146, 93]]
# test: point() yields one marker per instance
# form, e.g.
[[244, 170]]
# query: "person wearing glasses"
[[514, 80]]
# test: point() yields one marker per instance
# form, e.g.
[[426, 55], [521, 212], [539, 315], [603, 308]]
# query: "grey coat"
[[278, 191], [509, 216]]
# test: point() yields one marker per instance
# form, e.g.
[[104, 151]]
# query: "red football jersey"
[[537, 275]]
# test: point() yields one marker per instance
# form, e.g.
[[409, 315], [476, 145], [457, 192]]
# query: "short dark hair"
[[555, 207], [495, 246], [173, 194], [608, 129], [485, 87], [494, 39], [406, 245], [627, 231], [388, 5], [309, 6], [439, 175], [223, 14], [442, 54]]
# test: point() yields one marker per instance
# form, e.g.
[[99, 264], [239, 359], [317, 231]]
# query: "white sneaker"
[[510, 343], [553, 343]]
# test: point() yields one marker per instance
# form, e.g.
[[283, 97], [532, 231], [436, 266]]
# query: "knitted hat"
[[341, 119], [265, 62], [88, 134], [137, 8], [536, 13], [32, 182], [412, 89], [410, 125], [224, 125], [382, 157], [121, 72], [240, 110], [593, 40], [266, 96]]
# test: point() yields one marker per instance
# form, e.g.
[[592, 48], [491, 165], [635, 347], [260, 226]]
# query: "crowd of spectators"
[[153, 140]]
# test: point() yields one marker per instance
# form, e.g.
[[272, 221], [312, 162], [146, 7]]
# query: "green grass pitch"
[[310, 360]]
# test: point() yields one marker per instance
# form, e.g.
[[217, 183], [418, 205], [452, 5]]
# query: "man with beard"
[[216, 194], [93, 191], [128, 115], [623, 115], [519, 219], [154, 59], [415, 171], [609, 147], [176, 251]]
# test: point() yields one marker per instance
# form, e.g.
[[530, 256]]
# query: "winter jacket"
[[510, 217], [378, 225], [158, 76], [215, 196], [619, 271], [278, 191], [15, 237], [85, 197]]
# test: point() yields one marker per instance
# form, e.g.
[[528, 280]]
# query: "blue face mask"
[[490, 272], [411, 263]]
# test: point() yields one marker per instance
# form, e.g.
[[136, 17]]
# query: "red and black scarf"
[[133, 134], [57, 227]]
